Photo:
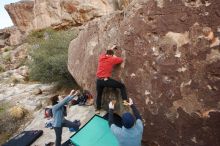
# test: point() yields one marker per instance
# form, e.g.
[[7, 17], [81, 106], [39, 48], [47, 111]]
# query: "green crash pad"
[[95, 133]]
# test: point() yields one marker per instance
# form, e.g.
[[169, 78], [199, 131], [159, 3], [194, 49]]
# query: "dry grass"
[[17, 112], [10, 120]]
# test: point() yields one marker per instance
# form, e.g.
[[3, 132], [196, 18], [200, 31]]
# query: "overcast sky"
[[5, 20]]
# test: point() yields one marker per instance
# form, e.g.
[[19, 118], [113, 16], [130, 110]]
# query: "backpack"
[[84, 97], [48, 113], [82, 100]]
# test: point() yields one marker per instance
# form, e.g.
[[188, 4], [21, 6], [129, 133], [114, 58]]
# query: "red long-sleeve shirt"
[[106, 64]]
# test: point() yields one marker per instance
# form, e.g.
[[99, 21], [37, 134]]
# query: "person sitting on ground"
[[58, 110], [132, 130], [106, 63]]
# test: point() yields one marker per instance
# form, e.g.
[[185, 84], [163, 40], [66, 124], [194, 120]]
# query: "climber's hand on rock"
[[130, 102], [111, 105], [113, 47]]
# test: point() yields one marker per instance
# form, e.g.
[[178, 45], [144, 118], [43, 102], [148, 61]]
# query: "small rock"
[[183, 18], [178, 54], [2, 43], [147, 101], [209, 87], [146, 92], [182, 69], [133, 75], [12, 85], [194, 140], [37, 91]]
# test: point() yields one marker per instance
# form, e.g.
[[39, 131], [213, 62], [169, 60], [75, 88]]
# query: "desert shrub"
[[2, 69], [7, 58], [39, 35], [49, 55], [8, 124], [17, 112], [22, 62], [7, 49]]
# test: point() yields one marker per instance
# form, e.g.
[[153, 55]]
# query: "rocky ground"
[[30, 96], [34, 98], [171, 52], [28, 99]]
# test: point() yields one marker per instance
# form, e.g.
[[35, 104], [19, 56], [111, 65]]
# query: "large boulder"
[[32, 15], [16, 36], [171, 66], [21, 14], [11, 36], [19, 55]]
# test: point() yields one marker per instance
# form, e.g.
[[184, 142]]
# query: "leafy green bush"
[[49, 55], [39, 35]]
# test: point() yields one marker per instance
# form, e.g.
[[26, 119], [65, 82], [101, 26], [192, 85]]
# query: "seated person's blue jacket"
[[131, 136], [58, 111]]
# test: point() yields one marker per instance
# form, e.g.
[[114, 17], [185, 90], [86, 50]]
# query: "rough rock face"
[[38, 14], [13, 57], [21, 14], [10, 36], [171, 66]]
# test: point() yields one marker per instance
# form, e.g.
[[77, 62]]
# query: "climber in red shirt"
[[106, 63]]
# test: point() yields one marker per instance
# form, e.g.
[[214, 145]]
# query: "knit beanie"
[[127, 120]]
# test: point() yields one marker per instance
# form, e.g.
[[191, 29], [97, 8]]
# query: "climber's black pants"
[[101, 84], [58, 130]]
